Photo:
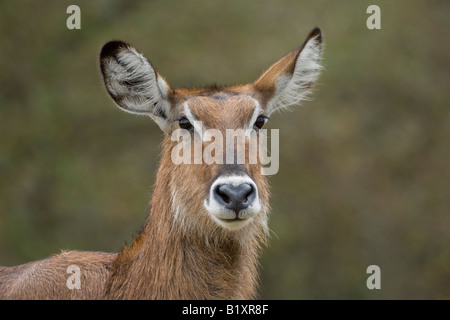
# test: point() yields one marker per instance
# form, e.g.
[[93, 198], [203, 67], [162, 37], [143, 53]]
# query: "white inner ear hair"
[[134, 85], [292, 90]]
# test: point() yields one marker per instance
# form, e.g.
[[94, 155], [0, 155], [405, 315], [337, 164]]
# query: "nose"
[[235, 198]]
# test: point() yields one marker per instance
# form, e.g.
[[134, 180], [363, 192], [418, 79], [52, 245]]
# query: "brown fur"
[[198, 261], [181, 253]]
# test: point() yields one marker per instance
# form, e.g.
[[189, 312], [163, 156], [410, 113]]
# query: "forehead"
[[221, 110]]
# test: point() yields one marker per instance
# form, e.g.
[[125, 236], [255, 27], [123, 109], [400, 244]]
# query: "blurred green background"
[[364, 168]]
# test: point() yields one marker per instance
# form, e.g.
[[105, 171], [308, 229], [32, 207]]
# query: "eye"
[[259, 123], [185, 124]]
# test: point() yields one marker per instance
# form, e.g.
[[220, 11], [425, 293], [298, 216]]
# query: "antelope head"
[[227, 197]]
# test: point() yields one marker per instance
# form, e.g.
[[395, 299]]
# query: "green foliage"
[[364, 169]]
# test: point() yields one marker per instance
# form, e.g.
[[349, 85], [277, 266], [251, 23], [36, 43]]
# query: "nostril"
[[244, 192], [247, 191], [223, 195]]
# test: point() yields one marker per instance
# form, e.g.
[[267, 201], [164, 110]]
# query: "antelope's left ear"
[[289, 81]]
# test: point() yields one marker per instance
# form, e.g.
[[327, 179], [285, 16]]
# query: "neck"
[[166, 263]]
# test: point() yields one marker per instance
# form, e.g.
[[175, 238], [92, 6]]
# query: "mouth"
[[235, 219], [232, 223]]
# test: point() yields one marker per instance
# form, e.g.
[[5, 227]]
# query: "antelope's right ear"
[[133, 83]]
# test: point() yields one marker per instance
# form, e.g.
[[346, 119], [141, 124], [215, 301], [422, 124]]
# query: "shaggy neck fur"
[[167, 263]]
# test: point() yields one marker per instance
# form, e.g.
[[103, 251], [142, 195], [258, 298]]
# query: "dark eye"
[[185, 124], [259, 123]]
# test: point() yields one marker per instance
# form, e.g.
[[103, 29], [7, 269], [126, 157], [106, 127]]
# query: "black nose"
[[235, 198]]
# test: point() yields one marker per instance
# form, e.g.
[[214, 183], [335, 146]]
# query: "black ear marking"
[[315, 33], [111, 48]]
